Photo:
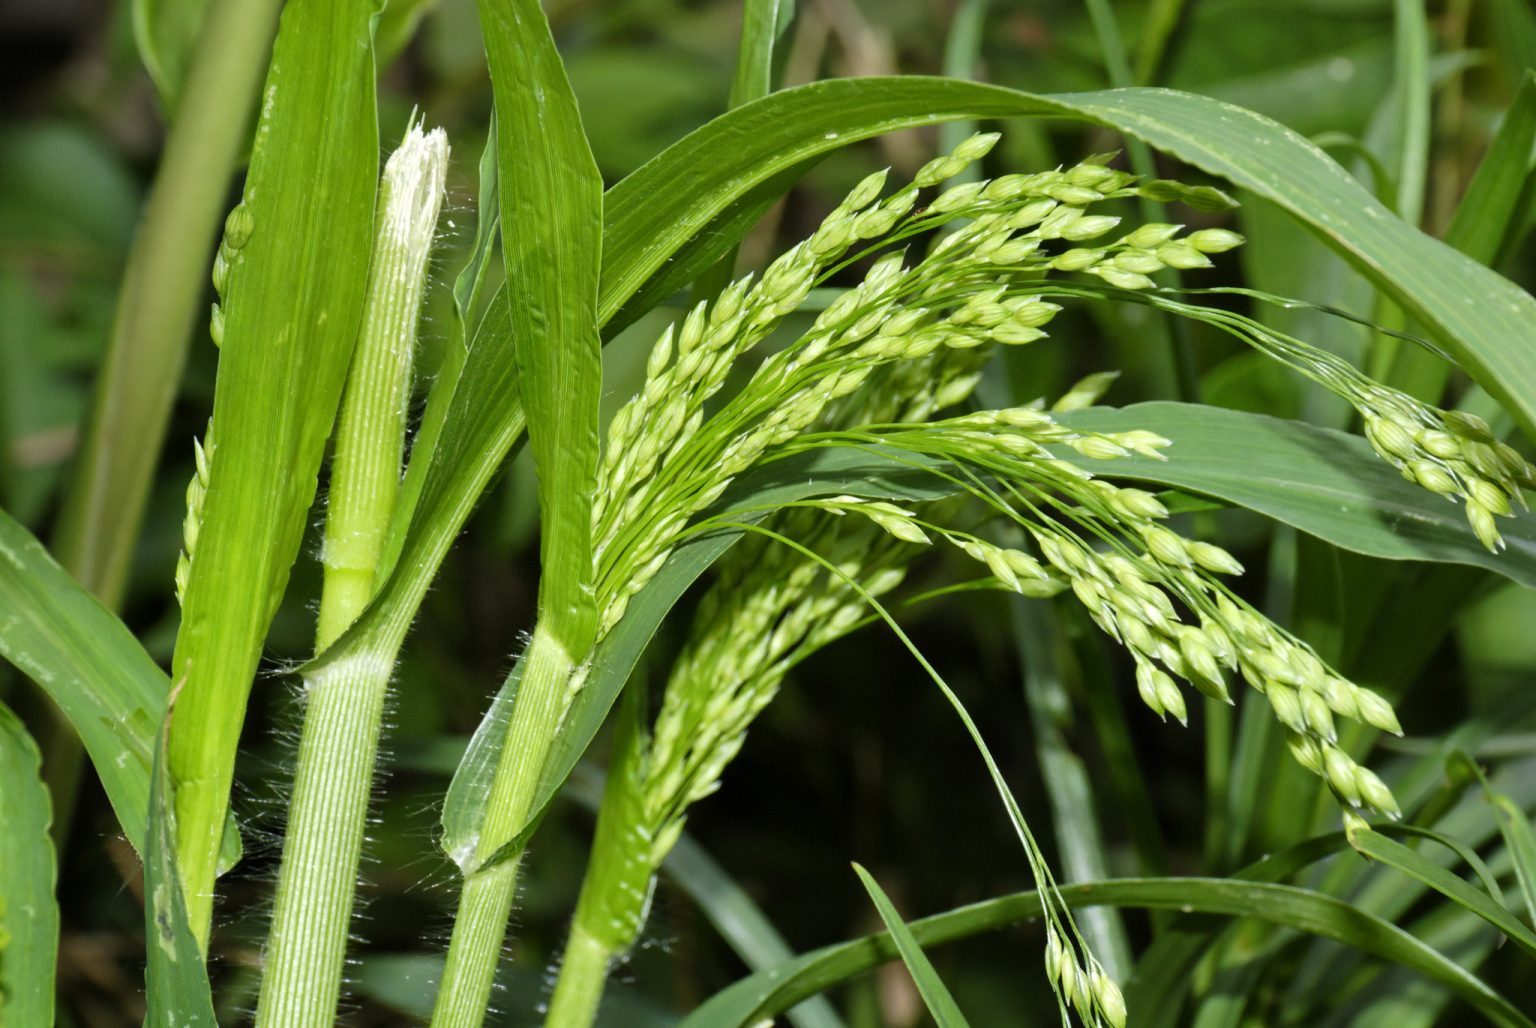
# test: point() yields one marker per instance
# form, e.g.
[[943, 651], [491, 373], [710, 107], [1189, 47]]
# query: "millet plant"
[[813, 449]]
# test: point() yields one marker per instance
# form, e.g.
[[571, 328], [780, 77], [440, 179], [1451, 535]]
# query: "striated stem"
[[365, 475], [306, 949], [486, 901], [583, 971]]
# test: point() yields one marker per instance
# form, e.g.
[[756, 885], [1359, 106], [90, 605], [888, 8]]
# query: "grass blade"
[[175, 980], [1515, 827], [1410, 88], [297, 260], [165, 32], [1486, 214], [935, 994], [1395, 854], [88, 662], [550, 199], [740, 922], [160, 298], [762, 23], [29, 915], [763, 994], [1521, 840], [1326, 483], [654, 211]]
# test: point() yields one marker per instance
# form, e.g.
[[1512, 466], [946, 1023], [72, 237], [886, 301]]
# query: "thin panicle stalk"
[[345, 701]]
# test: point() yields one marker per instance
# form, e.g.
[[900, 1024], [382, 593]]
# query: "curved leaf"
[[766, 993], [29, 915], [936, 996], [1379, 847], [1324, 482], [1487, 322], [88, 662], [165, 32]]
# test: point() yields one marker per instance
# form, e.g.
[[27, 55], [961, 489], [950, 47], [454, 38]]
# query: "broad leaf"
[[293, 295], [29, 914]]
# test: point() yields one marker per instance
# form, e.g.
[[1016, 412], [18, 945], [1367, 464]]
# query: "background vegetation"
[[859, 758]]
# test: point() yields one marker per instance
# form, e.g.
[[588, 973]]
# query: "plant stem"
[[583, 971], [163, 285], [345, 700], [486, 901], [370, 440], [306, 949], [616, 889]]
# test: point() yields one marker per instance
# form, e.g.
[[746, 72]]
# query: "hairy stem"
[[583, 971], [486, 901], [345, 700], [306, 949]]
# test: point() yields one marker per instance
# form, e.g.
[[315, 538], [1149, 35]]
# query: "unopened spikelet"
[[1450, 453], [197, 491]]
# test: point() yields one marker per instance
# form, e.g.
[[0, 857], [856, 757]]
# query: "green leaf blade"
[[1486, 322], [1388, 851], [1324, 482], [293, 307], [1488, 209], [936, 996], [29, 915], [176, 989], [165, 32], [763, 994], [87, 661], [551, 198]]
